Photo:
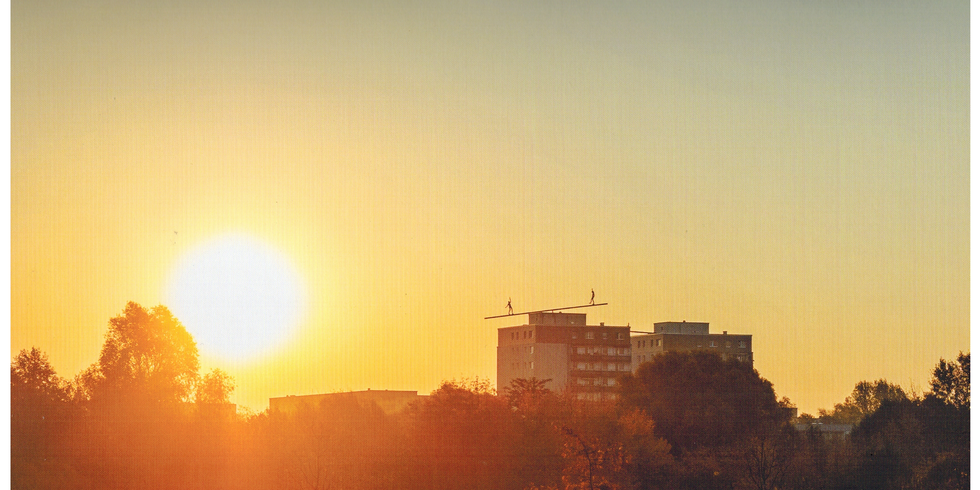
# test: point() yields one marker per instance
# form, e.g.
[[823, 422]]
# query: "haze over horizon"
[[794, 171]]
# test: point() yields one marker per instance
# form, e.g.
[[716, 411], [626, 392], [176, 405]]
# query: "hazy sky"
[[798, 171]]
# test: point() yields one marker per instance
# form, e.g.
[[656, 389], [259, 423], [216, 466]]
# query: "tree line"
[[143, 416]]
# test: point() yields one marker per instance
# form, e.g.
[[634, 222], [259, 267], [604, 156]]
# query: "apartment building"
[[688, 336], [577, 358]]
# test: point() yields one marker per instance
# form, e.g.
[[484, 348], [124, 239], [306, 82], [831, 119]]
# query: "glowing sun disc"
[[238, 297]]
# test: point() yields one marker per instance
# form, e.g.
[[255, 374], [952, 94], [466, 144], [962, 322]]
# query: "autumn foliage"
[[143, 416]]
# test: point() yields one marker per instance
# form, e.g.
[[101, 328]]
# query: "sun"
[[237, 296]]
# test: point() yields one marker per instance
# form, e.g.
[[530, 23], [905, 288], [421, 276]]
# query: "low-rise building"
[[686, 337], [389, 401]]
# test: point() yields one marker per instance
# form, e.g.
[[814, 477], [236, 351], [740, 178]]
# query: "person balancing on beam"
[[510, 309], [592, 301]]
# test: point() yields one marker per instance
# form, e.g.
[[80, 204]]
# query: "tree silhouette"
[[915, 443], [526, 394], [465, 436], [700, 400], [147, 354], [137, 428], [951, 381], [214, 387], [863, 401], [39, 413]]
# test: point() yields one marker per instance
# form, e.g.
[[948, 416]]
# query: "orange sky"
[[793, 171]]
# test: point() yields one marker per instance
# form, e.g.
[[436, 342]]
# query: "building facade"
[[577, 358], [689, 336]]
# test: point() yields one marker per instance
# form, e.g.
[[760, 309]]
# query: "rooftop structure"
[[686, 337]]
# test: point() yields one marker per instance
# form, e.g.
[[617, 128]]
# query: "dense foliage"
[[700, 400], [143, 417]]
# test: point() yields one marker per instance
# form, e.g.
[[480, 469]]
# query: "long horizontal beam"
[[545, 311]]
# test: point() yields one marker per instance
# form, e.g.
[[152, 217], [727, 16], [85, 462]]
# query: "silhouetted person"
[[510, 309], [592, 301]]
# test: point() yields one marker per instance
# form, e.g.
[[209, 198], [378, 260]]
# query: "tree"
[[700, 400], [337, 443], [39, 412], [524, 394], [465, 436], [33, 380], [863, 401], [914, 443], [604, 449], [951, 381], [648, 462], [766, 459], [147, 356], [136, 431], [215, 387]]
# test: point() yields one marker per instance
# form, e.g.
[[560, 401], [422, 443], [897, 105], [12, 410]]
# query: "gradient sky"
[[794, 170]]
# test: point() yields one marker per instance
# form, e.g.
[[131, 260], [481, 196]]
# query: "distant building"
[[686, 337], [578, 358], [388, 401]]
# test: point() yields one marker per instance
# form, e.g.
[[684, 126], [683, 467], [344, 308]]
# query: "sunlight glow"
[[237, 296]]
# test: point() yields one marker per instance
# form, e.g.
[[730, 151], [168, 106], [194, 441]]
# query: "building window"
[[741, 344], [605, 335], [611, 366], [589, 335], [712, 344], [611, 381], [580, 350], [574, 335], [728, 345], [532, 364], [580, 366], [660, 342], [532, 349], [597, 381], [619, 336]]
